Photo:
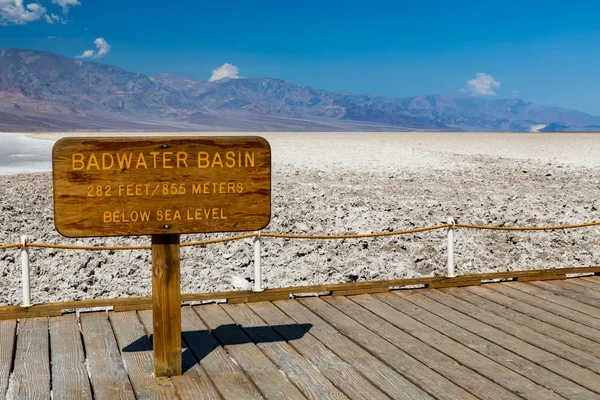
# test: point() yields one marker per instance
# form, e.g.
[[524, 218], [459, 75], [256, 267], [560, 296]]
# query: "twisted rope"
[[295, 236]]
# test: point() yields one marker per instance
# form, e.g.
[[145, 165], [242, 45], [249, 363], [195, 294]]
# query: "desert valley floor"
[[325, 183]]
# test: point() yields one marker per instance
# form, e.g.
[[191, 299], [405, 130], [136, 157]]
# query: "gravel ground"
[[331, 183]]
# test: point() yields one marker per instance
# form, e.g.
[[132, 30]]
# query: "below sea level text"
[[190, 214]]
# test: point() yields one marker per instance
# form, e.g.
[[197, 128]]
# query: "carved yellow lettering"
[[240, 187], [217, 160], [203, 159], [249, 159], [124, 161], [196, 188], [223, 215], [167, 160], [176, 215], [198, 213], [145, 215], [141, 161], [230, 156], [106, 159], [222, 187], [215, 214], [107, 217], [231, 187], [159, 215], [77, 162], [154, 155], [93, 162], [182, 159]]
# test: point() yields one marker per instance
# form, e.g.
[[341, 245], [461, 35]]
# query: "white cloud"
[[483, 84], [103, 49], [65, 4], [51, 37], [224, 71], [15, 12], [51, 18]]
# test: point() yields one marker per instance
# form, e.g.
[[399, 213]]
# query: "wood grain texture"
[[166, 307], [194, 382], [136, 351], [31, 375], [8, 335], [454, 374], [69, 374], [459, 352], [266, 375], [579, 296], [527, 329], [343, 375], [370, 365], [509, 351], [553, 308], [227, 376], [124, 186], [556, 298], [108, 374], [421, 379], [567, 331], [539, 348], [243, 296]]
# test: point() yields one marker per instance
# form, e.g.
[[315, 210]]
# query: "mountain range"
[[44, 91]]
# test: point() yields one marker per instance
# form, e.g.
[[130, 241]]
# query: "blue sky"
[[541, 51]]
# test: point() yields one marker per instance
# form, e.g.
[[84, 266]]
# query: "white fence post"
[[257, 267], [450, 234], [25, 272]]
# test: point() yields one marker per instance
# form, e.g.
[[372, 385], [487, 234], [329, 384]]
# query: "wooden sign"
[[161, 185]]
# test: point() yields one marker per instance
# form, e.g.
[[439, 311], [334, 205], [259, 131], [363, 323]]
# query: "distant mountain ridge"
[[41, 90]]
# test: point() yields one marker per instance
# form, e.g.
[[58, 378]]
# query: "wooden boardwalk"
[[511, 340]]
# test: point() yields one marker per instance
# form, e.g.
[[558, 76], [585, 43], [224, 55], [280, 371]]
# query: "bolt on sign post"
[[163, 187]]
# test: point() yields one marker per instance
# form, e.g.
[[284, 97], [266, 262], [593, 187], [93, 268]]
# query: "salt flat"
[[327, 183]]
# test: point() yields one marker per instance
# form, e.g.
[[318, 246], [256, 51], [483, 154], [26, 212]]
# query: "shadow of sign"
[[199, 344]]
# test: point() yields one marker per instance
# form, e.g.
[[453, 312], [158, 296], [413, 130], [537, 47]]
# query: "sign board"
[[161, 185]]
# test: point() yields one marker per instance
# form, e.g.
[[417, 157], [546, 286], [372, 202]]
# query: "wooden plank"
[[108, 374], [135, 186], [374, 369], [520, 357], [31, 375], [566, 291], [8, 335], [520, 297], [136, 350], [591, 282], [227, 376], [265, 374], [471, 381], [299, 370], [437, 385], [533, 331], [420, 337], [69, 374], [338, 371], [571, 286], [555, 298], [551, 353], [194, 382], [567, 331], [166, 305], [241, 296]]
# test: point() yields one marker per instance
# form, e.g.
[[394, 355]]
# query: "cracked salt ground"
[[486, 191]]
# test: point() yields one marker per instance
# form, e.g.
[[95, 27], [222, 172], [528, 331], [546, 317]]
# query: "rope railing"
[[297, 236], [450, 226]]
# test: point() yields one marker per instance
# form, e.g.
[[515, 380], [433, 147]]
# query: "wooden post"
[[166, 305]]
